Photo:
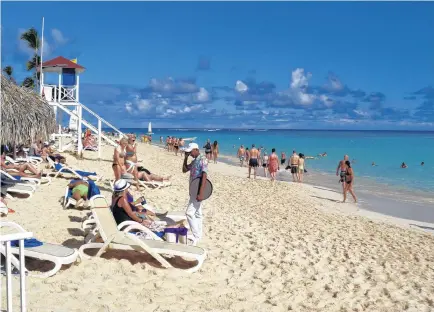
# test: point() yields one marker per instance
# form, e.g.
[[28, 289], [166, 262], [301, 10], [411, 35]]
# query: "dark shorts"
[[264, 165], [207, 152], [140, 168], [282, 161], [294, 169], [253, 162]]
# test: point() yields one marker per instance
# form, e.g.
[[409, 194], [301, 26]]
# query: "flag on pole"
[[74, 60]]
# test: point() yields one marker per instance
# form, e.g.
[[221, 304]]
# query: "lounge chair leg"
[[88, 246], [103, 248], [57, 267]]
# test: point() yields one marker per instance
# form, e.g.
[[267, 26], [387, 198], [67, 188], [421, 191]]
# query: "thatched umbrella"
[[25, 115]]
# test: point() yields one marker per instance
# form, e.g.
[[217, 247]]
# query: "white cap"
[[191, 147], [121, 185], [46, 143]]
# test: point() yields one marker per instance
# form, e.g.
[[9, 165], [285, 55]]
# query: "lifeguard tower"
[[66, 94]]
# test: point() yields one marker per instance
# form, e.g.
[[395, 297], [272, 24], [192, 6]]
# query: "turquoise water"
[[388, 149]]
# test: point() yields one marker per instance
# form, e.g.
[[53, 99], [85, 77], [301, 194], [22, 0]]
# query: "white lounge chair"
[[90, 228], [115, 239], [75, 172], [145, 184], [43, 180], [20, 188], [57, 254], [34, 160]]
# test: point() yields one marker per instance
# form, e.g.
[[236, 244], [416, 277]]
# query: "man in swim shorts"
[[293, 160], [253, 161], [240, 154]]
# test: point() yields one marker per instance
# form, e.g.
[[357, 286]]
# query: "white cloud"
[[202, 95], [143, 105], [299, 80], [361, 113], [129, 107], [58, 37], [240, 86]]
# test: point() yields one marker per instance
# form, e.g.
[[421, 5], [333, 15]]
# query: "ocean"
[[388, 149]]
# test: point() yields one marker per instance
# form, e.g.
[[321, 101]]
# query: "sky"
[[292, 65]]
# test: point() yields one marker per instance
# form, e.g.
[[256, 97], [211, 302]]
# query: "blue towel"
[[82, 173], [31, 242], [93, 188]]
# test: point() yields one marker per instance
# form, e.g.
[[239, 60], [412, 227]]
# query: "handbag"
[[176, 235]]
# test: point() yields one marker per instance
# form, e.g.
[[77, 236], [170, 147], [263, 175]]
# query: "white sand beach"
[[282, 247]]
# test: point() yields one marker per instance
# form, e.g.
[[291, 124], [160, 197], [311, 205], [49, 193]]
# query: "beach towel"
[[28, 242], [82, 173]]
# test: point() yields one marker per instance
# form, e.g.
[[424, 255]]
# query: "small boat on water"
[[150, 128], [190, 139]]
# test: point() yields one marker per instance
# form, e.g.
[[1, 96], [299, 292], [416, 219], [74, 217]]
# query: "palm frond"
[[31, 38], [33, 62], [8, 70]]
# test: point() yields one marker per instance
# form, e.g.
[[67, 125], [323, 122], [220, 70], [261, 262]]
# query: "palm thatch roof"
[[25, 115]]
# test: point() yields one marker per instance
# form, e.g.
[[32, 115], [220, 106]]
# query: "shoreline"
[[397, 211]]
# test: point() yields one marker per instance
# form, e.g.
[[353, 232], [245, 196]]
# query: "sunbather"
[[145, 175], [47, 151], [20, 167], [80, 189], [123, 210]]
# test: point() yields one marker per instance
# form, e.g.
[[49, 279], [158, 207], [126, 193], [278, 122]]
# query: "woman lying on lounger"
[[145, 175], [80, 189], [21, 167], [123, 210]]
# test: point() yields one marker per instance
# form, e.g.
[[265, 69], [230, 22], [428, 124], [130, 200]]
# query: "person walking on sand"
[[349, 181], [253, 160], [241, 155], [273, 164], [293, 160], [208, 148], [300, 167], [341, 170], [198, 169], [215, 151], [265, 163], [247, 156]]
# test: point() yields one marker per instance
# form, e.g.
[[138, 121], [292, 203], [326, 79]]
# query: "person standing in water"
[[265, 163], [282, 158], [241, 155], [349, 181], [273, 164], [293, 160], [300, 167], [253, 160], [341, 171]]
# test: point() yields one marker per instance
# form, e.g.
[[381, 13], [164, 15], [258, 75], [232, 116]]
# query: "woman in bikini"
[[273, 164], [215, 151], [300, 167], [349, 181], [265, 163], [176, 146], [119, 159]]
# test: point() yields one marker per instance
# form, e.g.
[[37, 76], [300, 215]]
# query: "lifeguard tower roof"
[[57, 64]]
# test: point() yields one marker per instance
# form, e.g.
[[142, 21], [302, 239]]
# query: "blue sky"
[[344, 65]]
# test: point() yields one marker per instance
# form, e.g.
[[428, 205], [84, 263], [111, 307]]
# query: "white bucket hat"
[[191, 147], [121, 185]]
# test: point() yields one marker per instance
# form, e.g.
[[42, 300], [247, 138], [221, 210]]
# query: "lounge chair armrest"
[[12, 225]]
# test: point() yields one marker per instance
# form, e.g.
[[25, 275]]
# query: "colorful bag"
[[175, 235]]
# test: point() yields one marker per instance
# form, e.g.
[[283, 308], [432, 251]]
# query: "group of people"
[[125, 208], [257, 157], [346, 177], [125, 163], [174, 145], [211, 150]]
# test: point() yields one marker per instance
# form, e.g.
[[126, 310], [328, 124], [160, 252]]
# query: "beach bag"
[[176, 235], [195, 186]]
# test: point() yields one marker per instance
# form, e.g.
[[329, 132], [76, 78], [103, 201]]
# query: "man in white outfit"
[[198, 169]]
